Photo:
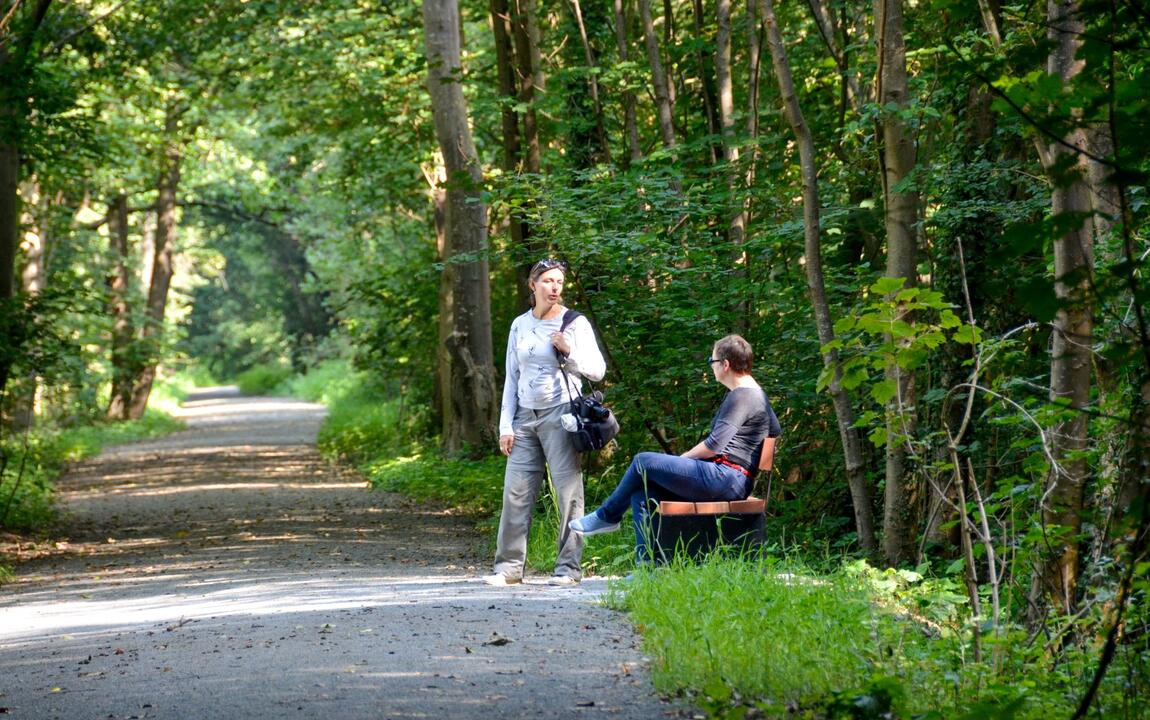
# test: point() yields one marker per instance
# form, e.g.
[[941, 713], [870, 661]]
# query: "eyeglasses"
[[547, 264], [712, 361]]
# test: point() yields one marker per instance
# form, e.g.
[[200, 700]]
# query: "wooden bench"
[[697, 528]]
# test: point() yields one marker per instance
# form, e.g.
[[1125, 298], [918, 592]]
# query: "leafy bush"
[[328, 383], [263, 379]]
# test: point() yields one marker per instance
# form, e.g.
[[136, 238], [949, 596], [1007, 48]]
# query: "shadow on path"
[[227, 571]]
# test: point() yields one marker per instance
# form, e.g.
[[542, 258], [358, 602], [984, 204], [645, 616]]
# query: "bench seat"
[[713, 507], [697, 528]]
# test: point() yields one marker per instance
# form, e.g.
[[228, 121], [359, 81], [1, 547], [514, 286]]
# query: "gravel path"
[[227, 572]]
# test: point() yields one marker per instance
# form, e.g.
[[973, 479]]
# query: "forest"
[[928, 217]]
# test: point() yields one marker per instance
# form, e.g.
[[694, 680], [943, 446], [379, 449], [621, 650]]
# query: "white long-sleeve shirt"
[[532, 379]]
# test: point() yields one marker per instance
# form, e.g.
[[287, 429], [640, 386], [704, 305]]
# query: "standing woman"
[[535, 395]]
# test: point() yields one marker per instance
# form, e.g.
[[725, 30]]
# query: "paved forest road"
[[227, 572]]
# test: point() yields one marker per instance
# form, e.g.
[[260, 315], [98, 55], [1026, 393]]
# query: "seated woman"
[[721, 467]]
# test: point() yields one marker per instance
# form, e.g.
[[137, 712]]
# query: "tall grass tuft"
[[757, 627]]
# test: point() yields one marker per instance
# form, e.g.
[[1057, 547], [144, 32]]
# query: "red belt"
[[722, 460]]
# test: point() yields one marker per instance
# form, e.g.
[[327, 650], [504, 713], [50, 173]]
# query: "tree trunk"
[[161, 280], [844, 412], [825, 20], [528, 79], [530, 70], [16, 68], [622, 22], [1070, 364], [737, 222], [9, 242], [123, 331], [900, 512], [35, 223], [469, 420], [658, 77], [513, 160], [437, 180], [604, 153], [708, 69]]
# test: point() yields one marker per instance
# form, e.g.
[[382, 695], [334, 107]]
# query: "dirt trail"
[[228, 572]]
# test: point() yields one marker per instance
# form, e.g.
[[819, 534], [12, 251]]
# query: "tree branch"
[[59, 44], [1022, 113]]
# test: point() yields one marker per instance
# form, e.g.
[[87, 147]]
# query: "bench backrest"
[[767, 454]]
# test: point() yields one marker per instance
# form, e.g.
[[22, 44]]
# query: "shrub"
[[262, 379]]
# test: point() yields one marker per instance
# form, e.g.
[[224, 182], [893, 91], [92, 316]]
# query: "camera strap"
[[568, 317]]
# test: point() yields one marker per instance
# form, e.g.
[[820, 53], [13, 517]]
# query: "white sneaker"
[[562, 580], [501, 580]]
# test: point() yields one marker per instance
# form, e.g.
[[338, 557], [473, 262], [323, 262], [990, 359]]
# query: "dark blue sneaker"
[[592, 525]]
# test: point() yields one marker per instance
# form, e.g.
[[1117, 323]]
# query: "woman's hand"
[[506, 442], [560, 343]]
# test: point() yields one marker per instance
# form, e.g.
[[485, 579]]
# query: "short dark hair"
[[736, 351]]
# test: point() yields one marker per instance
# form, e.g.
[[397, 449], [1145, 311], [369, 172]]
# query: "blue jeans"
[[652, 477]]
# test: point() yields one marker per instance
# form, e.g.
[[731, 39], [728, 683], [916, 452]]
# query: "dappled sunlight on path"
[[227, 571]]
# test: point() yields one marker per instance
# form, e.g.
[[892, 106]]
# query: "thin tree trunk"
[[437, 180], [900, 515], [1070, 365], [658, 77], [9, 218], [32, 278], [530, 70], [9, 243], [709, 69], [123, 331], [737, 223], [593, 84], [152, 333], [844, 412], [622, 22], [531, 82], [513, 160], [825, 20], [470, 418]]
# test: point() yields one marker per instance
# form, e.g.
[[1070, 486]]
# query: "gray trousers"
[[541, 443]]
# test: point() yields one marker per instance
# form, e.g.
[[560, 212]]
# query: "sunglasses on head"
[[548, 264]]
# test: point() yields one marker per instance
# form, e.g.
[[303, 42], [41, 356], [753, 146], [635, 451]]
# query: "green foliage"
[[744, 638], [263, 379], [329, 383], [31, 461]]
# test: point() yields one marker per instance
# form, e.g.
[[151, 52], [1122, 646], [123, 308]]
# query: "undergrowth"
[[32, 460], [763, 637]]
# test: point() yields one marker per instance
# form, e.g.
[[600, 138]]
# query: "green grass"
[[35, 459], [771, 638]]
